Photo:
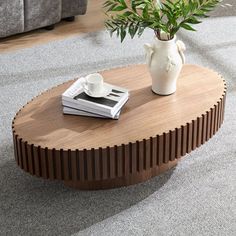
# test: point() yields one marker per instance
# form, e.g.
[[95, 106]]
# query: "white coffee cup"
[[94, 83]]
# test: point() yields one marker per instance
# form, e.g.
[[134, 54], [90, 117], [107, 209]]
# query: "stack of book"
[[76, 102]]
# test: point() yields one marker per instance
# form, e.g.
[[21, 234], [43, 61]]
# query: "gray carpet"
[[198, 197]]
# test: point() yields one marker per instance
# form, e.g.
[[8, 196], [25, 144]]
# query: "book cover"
[[73, 111], [95, 110]]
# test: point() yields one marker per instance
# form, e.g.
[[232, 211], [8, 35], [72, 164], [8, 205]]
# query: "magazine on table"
[[75, 97]]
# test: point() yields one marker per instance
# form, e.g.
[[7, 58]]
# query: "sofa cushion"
[[40, 13], [73, 8], [11, 17]]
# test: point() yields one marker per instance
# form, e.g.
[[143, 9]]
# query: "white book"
[[95, 110], [109, 105], [72, 111]]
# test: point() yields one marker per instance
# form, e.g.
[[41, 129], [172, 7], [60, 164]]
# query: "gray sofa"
[[17, 16]]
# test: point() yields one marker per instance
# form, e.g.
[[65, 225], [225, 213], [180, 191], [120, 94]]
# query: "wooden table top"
[[42, 123]]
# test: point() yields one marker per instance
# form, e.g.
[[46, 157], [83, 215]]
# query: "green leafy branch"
[[134, 16]]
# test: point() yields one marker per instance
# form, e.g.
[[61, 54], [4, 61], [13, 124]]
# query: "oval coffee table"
[[153, 131]]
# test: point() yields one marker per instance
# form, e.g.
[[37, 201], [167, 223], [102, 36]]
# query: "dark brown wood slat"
[[140, 165], [147, 154], [133, 157], [90, 164], [157, 155], [65, 165], [112, 162], [160, 150], [212, 122], [222, 110], [208, 127], [172, 145], [116, 161], [74, 165], [30, 158], [24, 154], [220, 113], [97, 165], [154, 152], [105, 165], [15, 148], [108, 162], [58, 161], [216, 118], [129, 147], [199, 132], [195, 133], [36, 158], [119, 161], [178, 142], [184, 140], [137, 156], [127, 160], [166, 147], [44, 162], [19, 153], [204, 128], [68, 164], [189, 137], [51, 165], [82, 166]]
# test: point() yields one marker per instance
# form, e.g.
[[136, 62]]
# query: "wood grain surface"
[[151, 134]]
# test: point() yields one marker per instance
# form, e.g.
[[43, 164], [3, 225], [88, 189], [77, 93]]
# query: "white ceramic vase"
[[165, 60]]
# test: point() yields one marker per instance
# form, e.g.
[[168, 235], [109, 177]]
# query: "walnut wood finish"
[[152, 133]]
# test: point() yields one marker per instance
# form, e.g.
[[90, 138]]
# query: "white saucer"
[[106, 90]]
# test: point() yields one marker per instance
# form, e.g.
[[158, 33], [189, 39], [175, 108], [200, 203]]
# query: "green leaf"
[[122, 34], [145, 12], [187, 27], [192, 20], [119, 8], [134, 16], [123, 3]]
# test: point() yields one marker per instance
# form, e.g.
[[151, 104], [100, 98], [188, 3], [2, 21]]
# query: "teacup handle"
[[85, 84]]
